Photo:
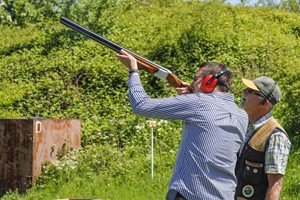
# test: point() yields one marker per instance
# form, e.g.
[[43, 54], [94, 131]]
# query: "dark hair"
[[224, 81]]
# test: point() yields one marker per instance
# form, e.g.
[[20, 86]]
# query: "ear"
[[265, 102]]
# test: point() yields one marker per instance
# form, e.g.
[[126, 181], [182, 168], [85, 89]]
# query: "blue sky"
[[235, 2]]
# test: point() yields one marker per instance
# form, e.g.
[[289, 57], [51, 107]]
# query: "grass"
[[127, 179], [102, 187], [291, 183], [103, 173]]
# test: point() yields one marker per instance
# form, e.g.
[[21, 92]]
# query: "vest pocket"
[[252, 172]]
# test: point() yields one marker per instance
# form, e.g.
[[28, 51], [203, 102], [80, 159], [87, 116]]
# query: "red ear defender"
[[210, 81]]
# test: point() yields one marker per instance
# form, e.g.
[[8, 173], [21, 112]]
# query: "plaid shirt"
[[277, 150]]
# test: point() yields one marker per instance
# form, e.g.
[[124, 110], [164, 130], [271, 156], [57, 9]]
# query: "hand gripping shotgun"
[[143, 63]]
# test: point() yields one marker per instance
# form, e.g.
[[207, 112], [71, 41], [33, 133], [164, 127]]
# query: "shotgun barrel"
[[143, 63]]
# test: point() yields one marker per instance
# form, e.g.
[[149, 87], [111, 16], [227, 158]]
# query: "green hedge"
[[49, 70]]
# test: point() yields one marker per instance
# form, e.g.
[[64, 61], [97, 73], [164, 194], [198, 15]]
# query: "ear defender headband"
[[210, 81], [269, 94]]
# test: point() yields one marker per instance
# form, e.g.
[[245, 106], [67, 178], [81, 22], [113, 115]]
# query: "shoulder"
[[279, 134], [279, 138]]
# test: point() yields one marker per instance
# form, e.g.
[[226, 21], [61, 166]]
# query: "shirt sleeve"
[[277, 152], [175, 108]]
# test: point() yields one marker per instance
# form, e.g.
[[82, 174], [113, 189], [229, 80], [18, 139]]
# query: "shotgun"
[[143, 63]]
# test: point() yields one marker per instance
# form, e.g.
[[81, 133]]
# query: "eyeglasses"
[[249, 90], [196, 78]]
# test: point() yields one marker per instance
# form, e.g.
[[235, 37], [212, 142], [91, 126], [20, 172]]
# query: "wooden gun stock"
[[143, 63]]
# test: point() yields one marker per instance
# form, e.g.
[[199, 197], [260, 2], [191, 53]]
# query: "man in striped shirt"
[[213, 131], [264, 156]]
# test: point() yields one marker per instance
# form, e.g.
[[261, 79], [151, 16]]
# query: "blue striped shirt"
[[213, 131]]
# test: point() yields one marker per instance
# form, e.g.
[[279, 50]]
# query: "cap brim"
[[250, 84]]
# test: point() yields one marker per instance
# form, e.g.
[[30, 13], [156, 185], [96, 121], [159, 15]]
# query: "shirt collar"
[[224, 95], [260, 122]]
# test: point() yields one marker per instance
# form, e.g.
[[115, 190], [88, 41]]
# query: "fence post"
[[152, 124]]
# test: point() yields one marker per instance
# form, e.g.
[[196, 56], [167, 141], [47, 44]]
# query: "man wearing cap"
[[263, 157]]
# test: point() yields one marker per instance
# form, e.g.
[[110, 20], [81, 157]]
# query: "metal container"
[[26, 144]]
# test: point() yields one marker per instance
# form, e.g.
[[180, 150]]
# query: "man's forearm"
[[273, 193], [275, 185]]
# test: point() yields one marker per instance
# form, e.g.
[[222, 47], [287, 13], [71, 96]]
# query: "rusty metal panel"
[[26, 144], [15, 152], [50, 136]]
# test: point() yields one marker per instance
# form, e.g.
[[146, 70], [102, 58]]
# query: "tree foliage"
[[51, 71], [48, 70]]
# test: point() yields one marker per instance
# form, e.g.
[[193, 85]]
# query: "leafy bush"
[[51, 71]]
